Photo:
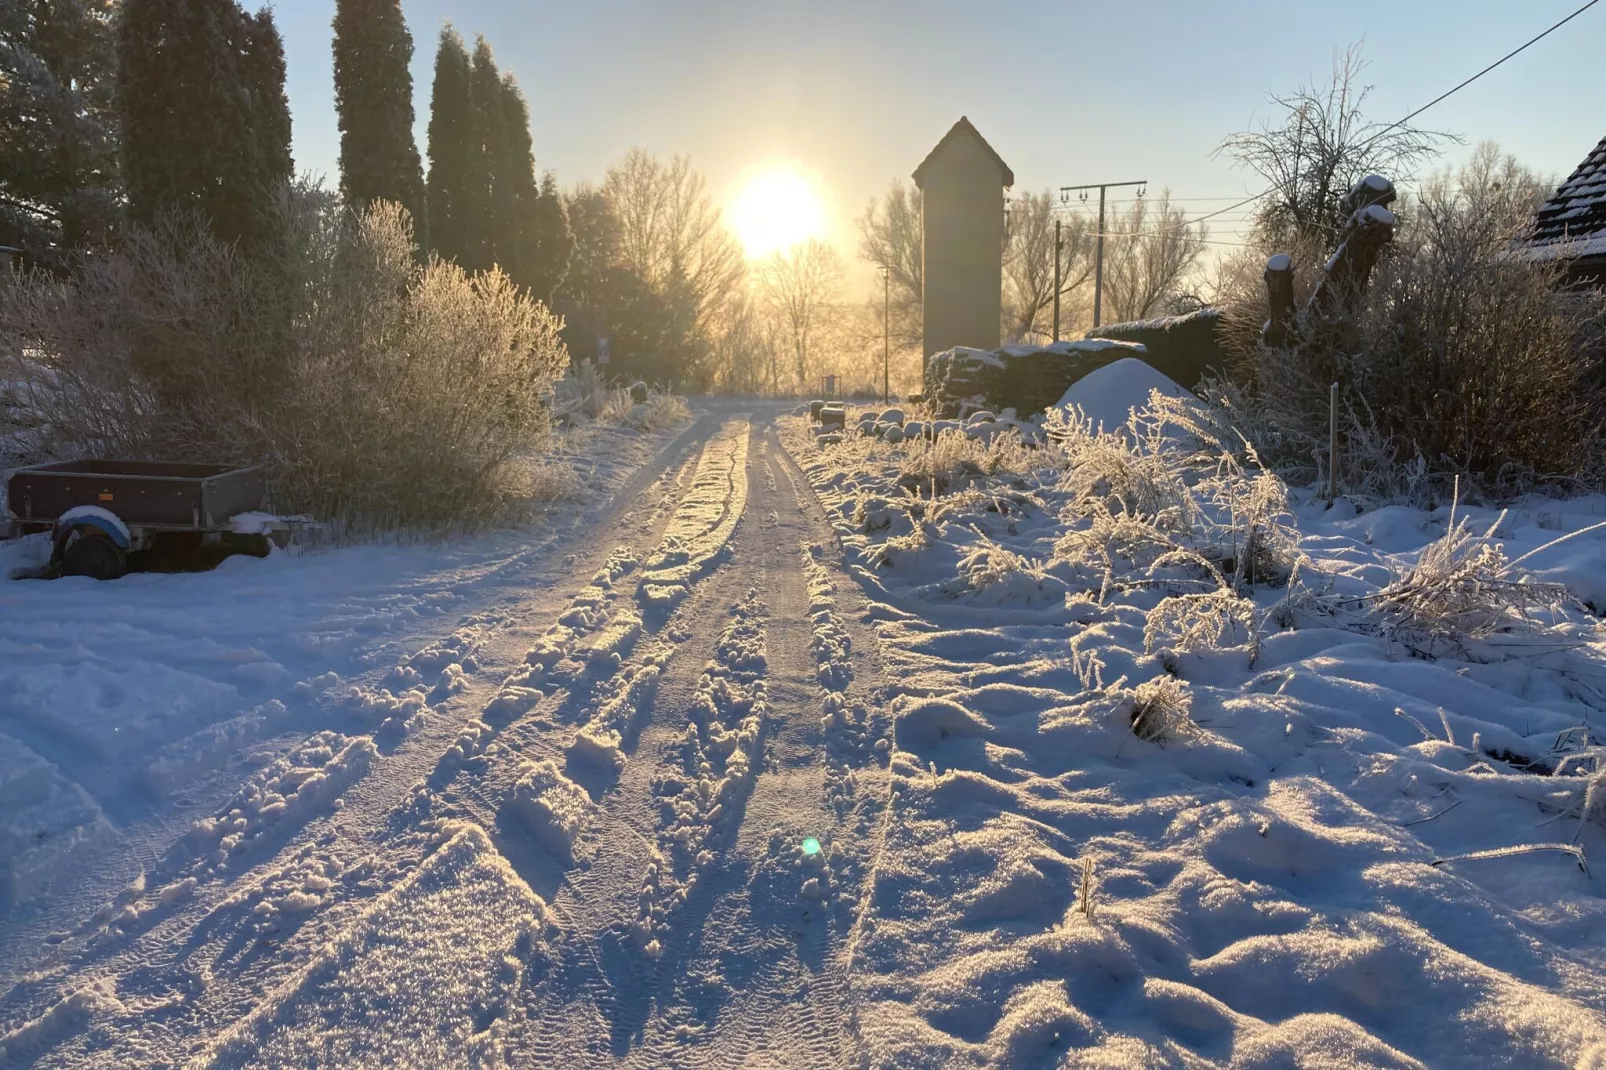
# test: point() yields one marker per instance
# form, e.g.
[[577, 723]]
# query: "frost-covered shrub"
[[954, 459], [371, 387], [1463, 588], [658, 412], [1134, 470], [1459, 359], [1162, 710]]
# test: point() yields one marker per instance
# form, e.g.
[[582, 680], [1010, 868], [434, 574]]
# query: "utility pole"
[[886, 336], [1057, 246], [1098, 264]]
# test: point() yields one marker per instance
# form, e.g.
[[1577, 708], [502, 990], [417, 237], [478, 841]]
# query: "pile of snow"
[[1107, 397]]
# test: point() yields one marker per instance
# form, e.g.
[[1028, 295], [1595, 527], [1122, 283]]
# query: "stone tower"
[[962, 183]]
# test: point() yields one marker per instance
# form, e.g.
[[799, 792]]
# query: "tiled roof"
[[1573, 222]]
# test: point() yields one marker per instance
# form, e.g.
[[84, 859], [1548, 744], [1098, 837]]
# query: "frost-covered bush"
[[954, 459], [1459, 359], [372, 388], [658, 412]]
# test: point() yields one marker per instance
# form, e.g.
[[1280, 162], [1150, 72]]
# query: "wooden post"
[[1280, 296], [1360, 244]]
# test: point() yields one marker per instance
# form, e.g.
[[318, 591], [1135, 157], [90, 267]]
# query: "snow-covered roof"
[[1572, 224], [1077, 345]]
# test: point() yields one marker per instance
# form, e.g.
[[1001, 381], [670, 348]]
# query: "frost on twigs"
[[1087, 890], [1462, 591], [1162, 710]]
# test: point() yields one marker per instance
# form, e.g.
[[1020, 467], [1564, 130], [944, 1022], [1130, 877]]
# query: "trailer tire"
[[88, 551]]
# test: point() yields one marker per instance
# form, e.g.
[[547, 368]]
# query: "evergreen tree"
[[374, 97], [206, 125], [58, 143], [552, 245], [491, 193], [451, 140], [513, 178]]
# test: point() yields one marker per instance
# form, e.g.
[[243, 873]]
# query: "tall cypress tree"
[[491, 195], [268, 106], [551, 244], [451, 139], [206, 125], [58, 137], [513, 179], [374, 97]]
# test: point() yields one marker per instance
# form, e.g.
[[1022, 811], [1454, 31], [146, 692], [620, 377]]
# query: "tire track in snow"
[[750, 972], [155, 947]]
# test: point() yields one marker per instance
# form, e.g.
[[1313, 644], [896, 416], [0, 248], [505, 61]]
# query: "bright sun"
[[775, 211]]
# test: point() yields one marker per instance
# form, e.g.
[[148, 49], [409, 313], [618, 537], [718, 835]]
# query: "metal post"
[[1057, 246], [1098, 267], [886, 336]]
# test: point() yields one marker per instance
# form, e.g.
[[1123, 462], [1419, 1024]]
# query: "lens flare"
[[811, 846]]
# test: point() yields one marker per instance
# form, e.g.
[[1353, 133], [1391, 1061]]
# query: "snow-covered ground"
[[1139, 820], [767, 755]]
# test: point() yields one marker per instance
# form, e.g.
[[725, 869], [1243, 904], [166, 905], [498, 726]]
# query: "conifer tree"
[[552, 243], [490, 197], [513, 178], [374, 98], [205, 121], [58, 143], [451, 146]]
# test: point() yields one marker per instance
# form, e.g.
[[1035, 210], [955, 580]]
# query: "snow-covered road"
[[606, 798]]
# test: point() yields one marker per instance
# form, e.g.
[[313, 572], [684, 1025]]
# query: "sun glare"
[[776, 210]]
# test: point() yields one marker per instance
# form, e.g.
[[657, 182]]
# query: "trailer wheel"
[[87, 551]]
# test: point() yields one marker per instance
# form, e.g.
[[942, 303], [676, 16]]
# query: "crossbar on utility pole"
[[1098, 263]]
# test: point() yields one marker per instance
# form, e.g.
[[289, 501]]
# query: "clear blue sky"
[[856, 91]]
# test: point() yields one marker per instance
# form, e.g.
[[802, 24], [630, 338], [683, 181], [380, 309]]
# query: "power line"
[[1436, 100], [1451, 92]]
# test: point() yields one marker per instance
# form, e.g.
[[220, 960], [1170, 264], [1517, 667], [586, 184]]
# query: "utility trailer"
[[100, 511]]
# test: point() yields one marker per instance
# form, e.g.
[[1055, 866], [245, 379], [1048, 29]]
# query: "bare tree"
[[671, 234], [801, 289], [892, 237], [1317, 145], [744, 358], [1149, 253], [1029, 266], [1496, 196]]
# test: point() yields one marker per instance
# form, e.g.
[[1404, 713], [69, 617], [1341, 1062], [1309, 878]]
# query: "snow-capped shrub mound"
[[927, 723]]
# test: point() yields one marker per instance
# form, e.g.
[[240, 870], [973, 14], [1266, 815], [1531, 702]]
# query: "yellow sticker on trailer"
[[105, 497]]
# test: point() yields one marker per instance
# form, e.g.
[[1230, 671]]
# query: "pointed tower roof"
[[964, 128]]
